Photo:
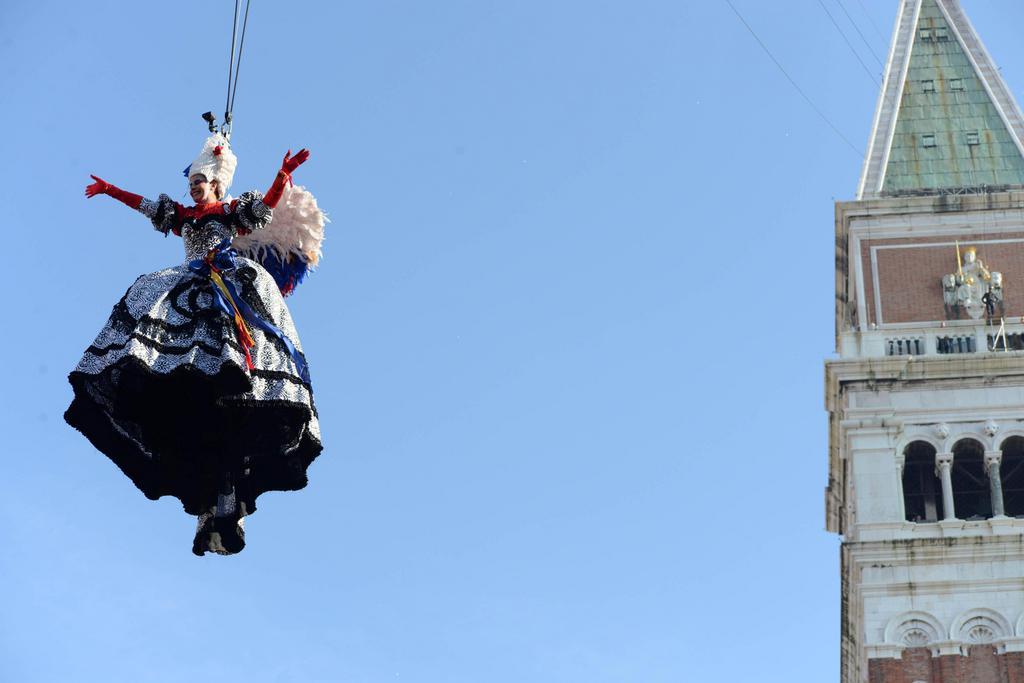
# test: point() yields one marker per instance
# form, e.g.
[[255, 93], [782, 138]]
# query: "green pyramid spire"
[[946, 120]]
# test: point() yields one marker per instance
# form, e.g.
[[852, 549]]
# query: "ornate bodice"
[[204, 227], [199, 237]]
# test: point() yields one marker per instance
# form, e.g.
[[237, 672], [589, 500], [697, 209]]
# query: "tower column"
[[993, 459], [944, 461], [900, 463]]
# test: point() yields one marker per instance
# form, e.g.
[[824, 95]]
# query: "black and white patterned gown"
[[164, 390]]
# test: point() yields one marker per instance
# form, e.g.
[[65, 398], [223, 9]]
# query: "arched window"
[[922, 493], [971, 497], [1011, 471]]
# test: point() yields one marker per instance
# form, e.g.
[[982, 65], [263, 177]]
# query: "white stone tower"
[[926, 398]]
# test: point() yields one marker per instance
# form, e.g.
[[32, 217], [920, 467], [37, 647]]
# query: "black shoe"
[[221, 535], [232, 535]]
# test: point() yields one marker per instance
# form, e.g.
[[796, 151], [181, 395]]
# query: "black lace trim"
[[225, 219], [251, 212], [274, 375], [206, 348], [171, 434], [214, 351], [165, 217]]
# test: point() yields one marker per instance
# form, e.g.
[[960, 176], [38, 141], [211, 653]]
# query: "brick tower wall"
[[918, 665]]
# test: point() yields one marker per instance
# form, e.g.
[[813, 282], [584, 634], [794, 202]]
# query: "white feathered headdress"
[[216, 161]]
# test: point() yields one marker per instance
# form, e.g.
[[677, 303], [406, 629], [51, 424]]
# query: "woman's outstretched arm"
[[284, 176], [163, 213], [103, 187]]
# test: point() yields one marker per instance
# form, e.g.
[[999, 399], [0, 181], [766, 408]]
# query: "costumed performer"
[[197, 386]]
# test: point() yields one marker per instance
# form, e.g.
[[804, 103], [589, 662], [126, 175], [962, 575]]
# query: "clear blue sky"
[[567, 337]]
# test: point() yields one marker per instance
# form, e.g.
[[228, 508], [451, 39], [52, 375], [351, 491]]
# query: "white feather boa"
[[297, 229]]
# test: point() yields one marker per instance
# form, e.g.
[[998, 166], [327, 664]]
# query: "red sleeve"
[[273, 195], [132, 200]]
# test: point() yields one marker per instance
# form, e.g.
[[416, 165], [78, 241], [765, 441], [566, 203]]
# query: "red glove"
[[289, 164], [103, 187], [99, 187]]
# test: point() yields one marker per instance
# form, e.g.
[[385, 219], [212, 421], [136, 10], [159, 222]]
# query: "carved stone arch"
[[955, 439], [1007, 435], [979, 626], [1019, 631], [914, 629], [905, 441]]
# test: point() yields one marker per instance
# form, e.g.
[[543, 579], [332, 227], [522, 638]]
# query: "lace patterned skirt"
[[164, 391]]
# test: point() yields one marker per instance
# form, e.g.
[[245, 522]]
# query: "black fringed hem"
[[175, 434]]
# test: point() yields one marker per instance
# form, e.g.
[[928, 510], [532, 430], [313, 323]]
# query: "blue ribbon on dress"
[[223, 258]]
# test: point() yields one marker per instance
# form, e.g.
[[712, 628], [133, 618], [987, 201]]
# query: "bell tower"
[[926, 394]]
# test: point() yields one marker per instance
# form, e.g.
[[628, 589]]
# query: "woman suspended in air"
[[197, 386]]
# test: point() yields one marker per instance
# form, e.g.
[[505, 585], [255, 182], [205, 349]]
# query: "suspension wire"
[[231, 65], [235, 65], [241, 44], [870, 20], [789, 78], [850, 45], [857, 29]]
